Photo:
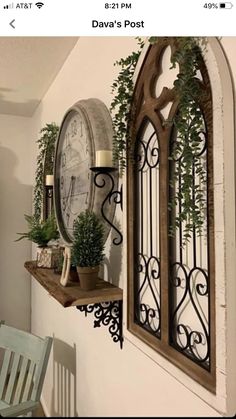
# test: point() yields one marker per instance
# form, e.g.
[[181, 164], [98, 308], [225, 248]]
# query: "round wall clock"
[[86, 128]]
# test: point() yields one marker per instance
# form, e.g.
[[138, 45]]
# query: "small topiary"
[[88, 243]]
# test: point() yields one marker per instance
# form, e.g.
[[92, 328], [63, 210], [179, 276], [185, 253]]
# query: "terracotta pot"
[[88, 277]]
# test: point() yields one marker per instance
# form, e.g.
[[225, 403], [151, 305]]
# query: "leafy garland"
[[122, 89], [188, 124], [46, 145]]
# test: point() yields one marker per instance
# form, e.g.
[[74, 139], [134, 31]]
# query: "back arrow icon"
[[11, 23]]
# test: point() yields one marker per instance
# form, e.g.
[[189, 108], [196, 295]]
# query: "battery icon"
[[226, 5]]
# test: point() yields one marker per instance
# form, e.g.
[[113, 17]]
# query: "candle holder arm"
[[102, 175]]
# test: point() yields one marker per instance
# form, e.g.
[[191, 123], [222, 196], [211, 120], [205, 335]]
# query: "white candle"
[[49, 180], [103, 158]]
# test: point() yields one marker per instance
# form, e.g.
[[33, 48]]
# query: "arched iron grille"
[[189, 281], [147, 307], [171, 286]]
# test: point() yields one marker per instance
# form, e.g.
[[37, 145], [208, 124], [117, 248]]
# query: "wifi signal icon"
[[39, 4]]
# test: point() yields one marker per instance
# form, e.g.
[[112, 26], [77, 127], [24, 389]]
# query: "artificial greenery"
[[188, 123], [88, 242], [45, 159], [188, 126], [40, 232], [122, 89]]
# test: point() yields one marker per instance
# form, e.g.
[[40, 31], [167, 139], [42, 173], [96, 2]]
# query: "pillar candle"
[[49, 180], [103, 158]]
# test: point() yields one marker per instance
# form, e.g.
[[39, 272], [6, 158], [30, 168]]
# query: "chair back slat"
[[12, 379], [29, 382], [21, 381], [4, 371], [41, 369], [24, 365]]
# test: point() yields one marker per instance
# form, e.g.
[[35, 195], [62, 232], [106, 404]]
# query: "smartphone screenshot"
[[117, 208]]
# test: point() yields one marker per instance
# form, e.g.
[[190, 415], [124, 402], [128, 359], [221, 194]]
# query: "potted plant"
[[42, 232], [87, 248]]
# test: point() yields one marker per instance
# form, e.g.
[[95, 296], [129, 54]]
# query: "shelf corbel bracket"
[[107, 314]]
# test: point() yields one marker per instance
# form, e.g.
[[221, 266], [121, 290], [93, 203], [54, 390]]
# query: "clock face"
[[72, 175], [86, 128]]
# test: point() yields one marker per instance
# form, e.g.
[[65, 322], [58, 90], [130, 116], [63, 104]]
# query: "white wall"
[[230, 221], [15, 201], [105, 381]]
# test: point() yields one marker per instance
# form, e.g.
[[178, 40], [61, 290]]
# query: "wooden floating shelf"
[[72, 294]]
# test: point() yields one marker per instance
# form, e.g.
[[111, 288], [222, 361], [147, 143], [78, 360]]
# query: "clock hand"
[[67, 218], [73, 185], [71, 189], [68, 202]]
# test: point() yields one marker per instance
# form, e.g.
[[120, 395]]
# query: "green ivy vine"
[[188, 125], [44, 165], [122, 89]]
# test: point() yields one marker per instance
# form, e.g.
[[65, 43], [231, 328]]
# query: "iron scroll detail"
[[194, 342], [101, 178], [147, 285], [107, 314]]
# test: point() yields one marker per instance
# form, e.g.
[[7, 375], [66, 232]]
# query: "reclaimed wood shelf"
[[72, 294]]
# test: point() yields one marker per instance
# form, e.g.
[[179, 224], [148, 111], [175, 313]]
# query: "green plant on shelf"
[[88, 242], [40, 231]]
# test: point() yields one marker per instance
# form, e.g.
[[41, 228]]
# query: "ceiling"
[[28, 67]]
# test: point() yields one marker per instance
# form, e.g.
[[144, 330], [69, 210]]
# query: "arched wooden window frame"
[[146, 106]]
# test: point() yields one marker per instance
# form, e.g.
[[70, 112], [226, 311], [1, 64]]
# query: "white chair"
[[23, 370]]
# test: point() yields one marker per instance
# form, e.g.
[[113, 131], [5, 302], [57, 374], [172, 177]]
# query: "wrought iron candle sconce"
[[102, 176], [48, 200]]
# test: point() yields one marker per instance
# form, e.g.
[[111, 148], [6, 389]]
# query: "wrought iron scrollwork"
[[147, 286], [189, 280], [101, 177], [193, 342], [148, 316], [107, 314]]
